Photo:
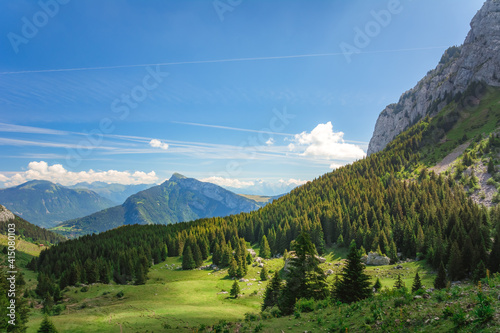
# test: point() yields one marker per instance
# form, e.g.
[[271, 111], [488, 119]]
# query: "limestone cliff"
[[477, 60]]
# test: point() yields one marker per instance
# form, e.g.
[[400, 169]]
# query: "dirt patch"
[[449, 160]]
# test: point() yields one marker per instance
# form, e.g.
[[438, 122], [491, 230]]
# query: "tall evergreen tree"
[[263, 274], [233, 268], [265, 250], [47, 326], [235, 289], [455, 270], [187, 259], [441, 281], [494, 260], [273, 290], [354, 284], [305, 279], [399, 284], [417, 283], [378, 285]]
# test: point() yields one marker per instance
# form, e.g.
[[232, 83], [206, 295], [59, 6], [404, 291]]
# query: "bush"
[[483, 311], [305, 305], [252, 316], [120, 294], [84, 289]]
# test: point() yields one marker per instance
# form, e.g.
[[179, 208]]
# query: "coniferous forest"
[[370, 203]]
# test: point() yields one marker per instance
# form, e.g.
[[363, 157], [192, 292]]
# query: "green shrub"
[[120, 294], [252, 316], [305, 305], [84, 289]]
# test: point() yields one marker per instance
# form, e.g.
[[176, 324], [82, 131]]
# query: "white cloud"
[[227, 182], [58, 174], [291, 181], [336, 166], [158, 144], [323, 142], [270, 142]]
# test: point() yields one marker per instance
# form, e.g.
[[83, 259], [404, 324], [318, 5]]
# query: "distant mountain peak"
[[177, 175]]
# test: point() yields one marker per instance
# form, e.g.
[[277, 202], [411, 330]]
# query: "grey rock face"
[[477, 60], [5, 215]]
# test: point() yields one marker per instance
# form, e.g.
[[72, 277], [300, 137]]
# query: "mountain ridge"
[[178, 199], [44, 203]]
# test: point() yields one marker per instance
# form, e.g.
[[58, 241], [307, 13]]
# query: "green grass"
[[479, 120], [183, 300]]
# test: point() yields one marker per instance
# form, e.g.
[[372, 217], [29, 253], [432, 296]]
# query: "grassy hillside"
[[180, 301]]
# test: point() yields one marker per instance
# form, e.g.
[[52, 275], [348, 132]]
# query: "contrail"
[[248, 130], [213, 61]]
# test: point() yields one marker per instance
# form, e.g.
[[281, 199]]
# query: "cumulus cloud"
[[323, 142], [270, 142], [227, 182], [58, 174], [155, 143], [336, 166]]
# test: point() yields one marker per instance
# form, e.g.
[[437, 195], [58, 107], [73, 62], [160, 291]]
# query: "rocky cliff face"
[[477, 60], [5, 215]]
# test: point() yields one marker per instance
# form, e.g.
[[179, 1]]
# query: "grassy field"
[[176, 300]]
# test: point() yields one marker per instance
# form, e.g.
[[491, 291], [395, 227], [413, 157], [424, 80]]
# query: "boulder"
[[375, 259], [252, 252], [329, 272]]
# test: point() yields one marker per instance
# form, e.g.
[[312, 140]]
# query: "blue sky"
[[254, 95]]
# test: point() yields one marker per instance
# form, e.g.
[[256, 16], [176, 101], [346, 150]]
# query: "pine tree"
[[263, 274], [479, 272], [233, 268], [455, 270], [491, 167], [399, 284], [249, 258], [306, 279], [354, 284], [47, 326], [235, 289], [265, 251], [273, 290], [197, 256], [417, 283], [494, 260], [441, 281], [187, 259], [378, 285], [140, 277]]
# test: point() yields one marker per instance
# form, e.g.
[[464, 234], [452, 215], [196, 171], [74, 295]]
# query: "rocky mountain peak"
[[477, 60]]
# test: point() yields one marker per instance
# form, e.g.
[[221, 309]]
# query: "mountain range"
[[46, 204], [117, 193], [178, 199]]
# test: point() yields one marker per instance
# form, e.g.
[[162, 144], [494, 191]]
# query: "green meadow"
[[177, 300]]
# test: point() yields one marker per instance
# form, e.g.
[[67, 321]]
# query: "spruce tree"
[[305, 279], [494, 260], [197, 256], [417, 283], [441, 281], [399, 284], [378, 285], [491, 167], [273, 290], [233, 268], [47, 326], [235, 289], [263, 274], [187, 259], [265, 250], [455, 270], [479, 272], [354, 284]]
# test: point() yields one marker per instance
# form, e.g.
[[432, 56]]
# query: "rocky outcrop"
[[5, 215], [477, 60], [375, 259]]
